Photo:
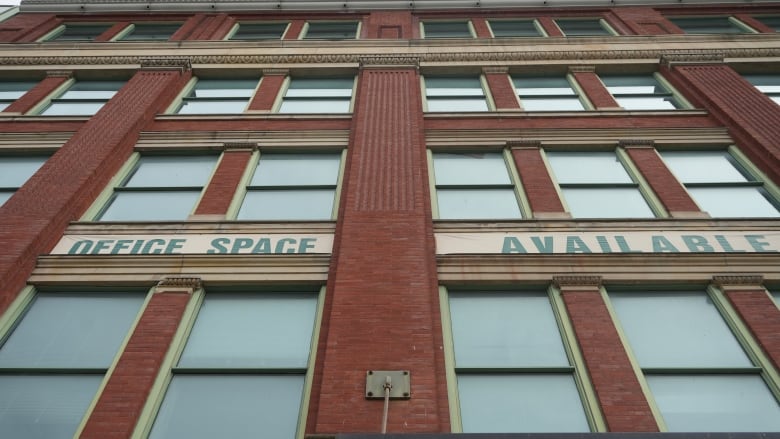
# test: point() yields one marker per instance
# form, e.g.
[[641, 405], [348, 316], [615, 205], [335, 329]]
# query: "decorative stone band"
[[636, 143], [672, 59], [388, 61], [523, 144], [577, 282], [739, 282], [165, 63], [60, 73], [582, 69], [178, 284], [229, 146], [495, 69], [276, 72]]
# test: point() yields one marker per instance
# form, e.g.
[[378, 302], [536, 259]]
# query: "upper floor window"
[[597, 185], [318, 95], [455, 93], [13, 90], [710, 25], [641, 92], [580, 27], [217, 96], [259, 31], [82, 98], [766, 84], [547, 93], [474, 186], [79, 32], [515, 28], [331, 30], [150, 31], [772, 21], [720, 185], [14, 171], [447, 29]]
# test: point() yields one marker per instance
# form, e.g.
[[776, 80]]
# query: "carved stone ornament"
[[582, 69], [240, 145], [524, 144], [495, 70], [164, 63], [178, 283], [577, 281], [276, 72], [671, 59], [636, 143], [388, 60], [59, 73], [739, 281]]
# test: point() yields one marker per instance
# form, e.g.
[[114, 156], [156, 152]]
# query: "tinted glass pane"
[[519, 28], [296, 170], [681, 329], [455, 104], [734, 202], [505, 330], [771, 21], [151, 206], [449, 29], [477, 204], [14, 171], [223, 88], [92, 90], [308, 204], [520, 403], [72, 108], [172, 171], [765, 83], [776, 295], [716, 403], [320, 87], [647, 103], [703, 166], [460, 86], [632, 84], [315, 106], [13, 90], [335, 31], [587, 167], [542, 86], [581, 27], [4, 196], [151, 32], [265, 331], [551, 104], [230, 406], [213, 106], [486, 168], [77, 32], [71, 330], [259, 31], [44, 407], [607, 203], [708, 25]]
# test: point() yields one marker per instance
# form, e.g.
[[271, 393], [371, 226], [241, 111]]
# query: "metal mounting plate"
[[399, 380]]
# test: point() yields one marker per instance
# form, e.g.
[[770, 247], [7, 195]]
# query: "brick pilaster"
[[294, 30], [44, 88], [222, 187], [481, 27], [26, 28], [501, 89], [536, 181], [267, 92], [594, 89], [549, 26], [112, 31], [618, 391]]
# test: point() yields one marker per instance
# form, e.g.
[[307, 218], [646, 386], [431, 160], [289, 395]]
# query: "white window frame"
[[469, 28], [57, 32], [192, 85], [601, 22], [677, 100], [733, 21], [577, 93], [60, 96], [486, 96], [129, 30], [288, 85], [534, 22], [307, 26], [236, 29]]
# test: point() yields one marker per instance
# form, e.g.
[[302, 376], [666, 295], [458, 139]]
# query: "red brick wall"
[[762, 317], [37, 93], [595, 90], [538, 185], [549, 26], [382, 310], [26, 28], [501, 90], [219, 193], [670, 192], [120, 404], [33, 219], [294, 30], [112, 31], [266, 94], [388, 25], [643, 21]]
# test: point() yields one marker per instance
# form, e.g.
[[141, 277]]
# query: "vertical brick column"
[[549, 26], [222, 188], [501, 89], [537, 183], [755, 308], [113, 31], [122, 399], [481, 27], [26, 28], [670, 192], [753, 120], [382, 308], [53, 80], [593, 88], [269, 89], [644, 21], [294, 30], [34, 218], [618, 391]]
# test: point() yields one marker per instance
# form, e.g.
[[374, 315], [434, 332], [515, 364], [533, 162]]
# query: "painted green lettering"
[[697, 244], [241, 243], [151, 243], [102, 244], [623, 244], [306, 244], [543, 247], [726, 244], [218, 245], [280, 245], [137, 247], [663, 245], [174, 244], [575, 244], [120, 245], [81, 247], [263, 246], [512, 245], [604, 244], [757, 245]]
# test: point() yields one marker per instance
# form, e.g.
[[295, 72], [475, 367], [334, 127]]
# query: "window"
[[151, 32], [160, 188], [53, 361], [513, 371], [597, 185], [514, 28], [14, 171], [83, 98], [720, 185], [292, 187], [776, 295], [318, 95], [446, 29], [699, 375], [772, 21], [582, 27], [79, 32], [546, 93], [766, 84], [641, 92], [710, 25], [463, 93], [252, 386], [13, 90], [259, 31], [218, 96], [474, 186], [323, 30]]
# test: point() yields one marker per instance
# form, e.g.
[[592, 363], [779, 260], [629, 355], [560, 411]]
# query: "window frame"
[[287, 86], [469, 28], [756, 81], [56, 97], [304, 35], [14, 95], [486, 96], [192, 85], [12, 189], [677, 99], [129, 30], [577, 92], [534, 23], [55, 34], [236, 30], [734, 23], [608, 30]]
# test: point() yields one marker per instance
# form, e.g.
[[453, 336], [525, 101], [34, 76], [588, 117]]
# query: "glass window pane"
[[734, 202], [707, 25], [542, 86], [623, 202], [552, 104], [446, 29], [151, 206], [213, 106], [223, 88], [477, 204], [484, 168], [81, 32], [44, 407], [259, 31], [304, 204], [317, 106], [71, 330], [520, 403], [587, 167], [515, 28], [297, 170], [265, 331], [453, 86], [715, 403], [72, 108], [703, 166], [680, 329], [455, 105], [151, 32], [580, 27], [234, 406], [636, 84], [647, 103], [332, 31], [93, 90], [772, 21], [4, 196], [505, 330], [14, 171], [13, 90], [172, 171]]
